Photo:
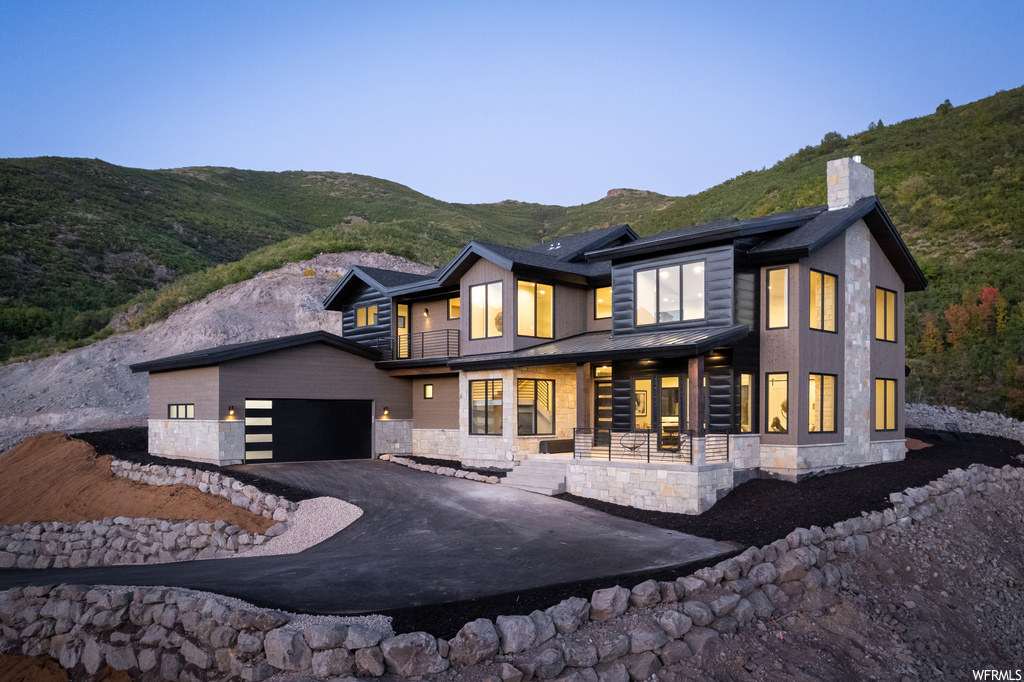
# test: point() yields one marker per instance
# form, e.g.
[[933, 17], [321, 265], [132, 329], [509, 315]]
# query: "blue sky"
[[551, 102]]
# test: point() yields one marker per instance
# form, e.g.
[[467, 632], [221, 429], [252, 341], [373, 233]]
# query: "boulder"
[[613, 671], [723, 605], [546, 664], [689, 587], [509, 673], [577, 675], [703, 641], [674, 651], [323, 636], [641, 666], [517, 633], [476, 641], [608, 603], [611, 645], [413, 654], [286, 649], [196, 653], [544, 625], [333, 662], [647, 593], [646, 636], [579, 654], [761, 604], [569, 614], [697, 611], [359, 637], [675, 624], [762, 574], [370, 661]]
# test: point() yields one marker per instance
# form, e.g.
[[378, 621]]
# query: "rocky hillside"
[[92, 388]]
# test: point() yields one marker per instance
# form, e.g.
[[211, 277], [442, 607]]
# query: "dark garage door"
[[291, 430]]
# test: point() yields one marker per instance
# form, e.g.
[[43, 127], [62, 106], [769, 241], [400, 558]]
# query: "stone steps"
[[538, 474]]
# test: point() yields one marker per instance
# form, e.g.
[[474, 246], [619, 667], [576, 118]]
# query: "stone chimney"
[[849, 181]]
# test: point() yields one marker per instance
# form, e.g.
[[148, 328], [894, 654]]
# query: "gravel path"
[[315, 521]]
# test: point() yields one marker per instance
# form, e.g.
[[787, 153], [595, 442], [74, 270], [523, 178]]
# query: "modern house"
[[657, 372]]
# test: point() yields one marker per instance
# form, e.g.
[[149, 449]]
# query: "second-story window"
[[670, 294], [823, 301], [885, 314], [454, 308], [485, 311], [536, 310], [778, 298], [366, 316], [602, 303]]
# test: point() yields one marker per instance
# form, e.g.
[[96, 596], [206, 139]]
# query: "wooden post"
[[696, 409], [584, 396]]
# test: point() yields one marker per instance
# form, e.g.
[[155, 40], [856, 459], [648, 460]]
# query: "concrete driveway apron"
[[422, 539]]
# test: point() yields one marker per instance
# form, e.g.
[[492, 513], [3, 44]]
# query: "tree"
[[943, 108]]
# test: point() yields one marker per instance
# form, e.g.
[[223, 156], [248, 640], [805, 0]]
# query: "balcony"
[[440, 343]]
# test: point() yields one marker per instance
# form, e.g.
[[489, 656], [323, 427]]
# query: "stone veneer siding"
[[677, 488], [392, 437], [199, 440], [439, 443]]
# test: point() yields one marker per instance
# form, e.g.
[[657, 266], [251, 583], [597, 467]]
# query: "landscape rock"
[[703, 641], [332, 662], [285, 648], [569, 614], [413, 654], [517, 633], [609, 603], [478, 641]]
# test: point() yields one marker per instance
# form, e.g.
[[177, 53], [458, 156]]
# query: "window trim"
[[181, 405], [753, 402], [448, 307], [499, 382], [487, 307], [554, 411], [367, 323], [895, 394], [895, 316], [428, 391], [657, 292], [609, 315], [835, 401], [835, 304], [767, 385], [768, 302], [536, 312]]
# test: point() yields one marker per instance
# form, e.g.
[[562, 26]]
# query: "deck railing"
[[439, 343], [644, 445]]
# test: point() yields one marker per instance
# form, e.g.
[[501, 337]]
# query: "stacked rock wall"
[[617, 635], [987, 423]]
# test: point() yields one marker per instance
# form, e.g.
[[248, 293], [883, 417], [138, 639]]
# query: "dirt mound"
[[51, 477], [44, 669]]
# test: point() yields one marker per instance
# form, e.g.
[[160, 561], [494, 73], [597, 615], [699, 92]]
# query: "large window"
[[823, 301], [485, 310], [822, 397], [778, 298], [746, 403], [181, 411], [366, 316], [536, 311], [885, 404], [670, 294], [602, 303], [536, 406], [485, 407], [885, 314], [777, 402]]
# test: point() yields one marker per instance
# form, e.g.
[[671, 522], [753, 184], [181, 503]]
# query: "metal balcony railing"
[[644, 445], [440, 343]]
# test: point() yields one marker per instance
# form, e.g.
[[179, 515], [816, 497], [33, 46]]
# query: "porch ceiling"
[[602, 347]]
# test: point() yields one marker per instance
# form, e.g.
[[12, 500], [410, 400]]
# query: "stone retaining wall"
[[678, 488], [121, 540], [442, 470], [616, 636], [213, 441], [987, 423], [392, 437]]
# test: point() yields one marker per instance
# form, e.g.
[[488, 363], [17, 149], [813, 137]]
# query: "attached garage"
[[309, 397]]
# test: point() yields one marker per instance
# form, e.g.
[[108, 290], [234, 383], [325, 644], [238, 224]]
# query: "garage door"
[[291, 430]]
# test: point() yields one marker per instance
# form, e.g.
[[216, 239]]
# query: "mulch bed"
[[132, 444], [764, 510]]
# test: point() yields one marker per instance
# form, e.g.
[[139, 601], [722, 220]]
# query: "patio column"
[[696, 409], [584, 396]]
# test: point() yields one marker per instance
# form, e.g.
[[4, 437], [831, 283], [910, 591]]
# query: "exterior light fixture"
[[231, 410], [425, 312], [385, 410]]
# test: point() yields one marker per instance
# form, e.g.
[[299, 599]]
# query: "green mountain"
[[81, 238]]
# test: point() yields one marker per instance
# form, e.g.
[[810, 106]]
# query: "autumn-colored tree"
[[931, 337], [958, 319]]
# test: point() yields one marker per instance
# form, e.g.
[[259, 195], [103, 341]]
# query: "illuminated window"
[[535, 406], [485, 311], [777, 402], [746, 403], [603, 372], [603, 303], [885, 314], [536, 311], [366, 316], [822, 397], [454, 308], [823, 301], [670, 294], [778, 298], [428, 391], [181, 411], [885, 404], [485, 407]]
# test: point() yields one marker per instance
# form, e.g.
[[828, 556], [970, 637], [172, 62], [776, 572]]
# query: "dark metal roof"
[[234, 351], [603, 346], [572, 247], [395, 278]]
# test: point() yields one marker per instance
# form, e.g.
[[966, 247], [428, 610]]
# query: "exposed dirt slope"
[[45, 669], [50, 477], [91, 388]]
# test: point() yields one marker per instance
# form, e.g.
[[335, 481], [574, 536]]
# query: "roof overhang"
[[354, 275]]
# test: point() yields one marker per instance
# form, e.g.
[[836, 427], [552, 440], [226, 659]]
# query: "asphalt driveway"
[[423, 539]]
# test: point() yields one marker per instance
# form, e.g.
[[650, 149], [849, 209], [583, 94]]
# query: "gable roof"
[[384, 281], [572, 247], [214, 356]]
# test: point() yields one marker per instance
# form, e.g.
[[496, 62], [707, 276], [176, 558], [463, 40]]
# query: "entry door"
[[402, 331], [602, 404], [668, 413]]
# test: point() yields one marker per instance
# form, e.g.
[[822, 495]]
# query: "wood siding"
[[888, 360], [314, 371], [368, 335], [437, 317], [595, 325], [197, 386], [440, 412], [718, 290], [569, 311], [719, 373]]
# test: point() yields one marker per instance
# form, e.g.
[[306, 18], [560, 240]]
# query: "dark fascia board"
[[355, 272], [727, 230], [412, 364], [545, 275], [675, 351], [623, 230], [473, 250], [218, 354]]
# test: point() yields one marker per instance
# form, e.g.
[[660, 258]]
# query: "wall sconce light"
[[231, 410], [425, 312], [385, 410]]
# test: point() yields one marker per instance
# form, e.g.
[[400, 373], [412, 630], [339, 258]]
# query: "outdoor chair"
[[955, 430]]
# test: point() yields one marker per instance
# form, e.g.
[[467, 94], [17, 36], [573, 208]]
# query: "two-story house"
[[657, 372]]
